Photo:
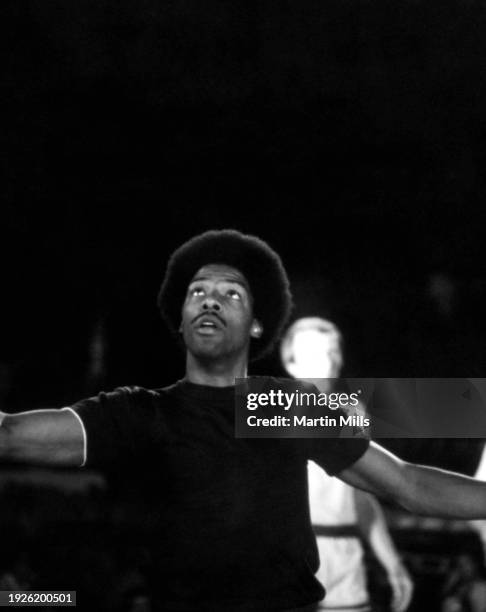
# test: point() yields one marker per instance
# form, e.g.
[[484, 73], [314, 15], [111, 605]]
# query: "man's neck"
[[214, 373]]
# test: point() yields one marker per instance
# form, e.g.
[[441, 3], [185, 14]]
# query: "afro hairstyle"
[[254, 258]]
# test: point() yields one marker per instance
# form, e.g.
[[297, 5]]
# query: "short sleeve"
[[110, 423], [336, 454]]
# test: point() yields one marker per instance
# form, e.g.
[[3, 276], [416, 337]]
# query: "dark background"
[[350, 135]]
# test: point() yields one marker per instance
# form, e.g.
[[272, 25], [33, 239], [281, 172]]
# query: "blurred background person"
[[341, 515]]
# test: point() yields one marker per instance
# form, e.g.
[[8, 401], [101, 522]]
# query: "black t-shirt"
[[231, 528]]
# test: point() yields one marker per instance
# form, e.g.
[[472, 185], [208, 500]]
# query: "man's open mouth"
[[209, 322]]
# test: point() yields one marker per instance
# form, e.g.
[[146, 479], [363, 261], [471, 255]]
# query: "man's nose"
[[211, 302]]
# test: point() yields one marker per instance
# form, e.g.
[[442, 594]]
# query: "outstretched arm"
[[420, 489], [480, 526], [42, 437], [372, 524]]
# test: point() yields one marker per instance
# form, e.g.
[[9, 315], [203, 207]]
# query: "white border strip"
[[85, 437]]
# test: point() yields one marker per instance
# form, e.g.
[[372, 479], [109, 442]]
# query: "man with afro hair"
[[229, 517], [260, 266]]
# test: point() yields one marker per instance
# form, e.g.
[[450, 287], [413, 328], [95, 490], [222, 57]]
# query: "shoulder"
[[138, 397], [135, 391], [121, 399], [123, 395]]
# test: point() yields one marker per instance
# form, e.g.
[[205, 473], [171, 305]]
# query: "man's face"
[[217, 315], [315, 354]]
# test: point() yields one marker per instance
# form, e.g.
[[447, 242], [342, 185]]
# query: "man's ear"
[[256, 330]]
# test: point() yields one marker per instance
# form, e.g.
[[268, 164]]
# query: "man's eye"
[[233, 294], [196, 291]]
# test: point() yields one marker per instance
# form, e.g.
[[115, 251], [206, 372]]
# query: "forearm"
[[372, 524], [44, 437], [4, 438], [420, 489], [22, 443], [384, 549], [435, 492]]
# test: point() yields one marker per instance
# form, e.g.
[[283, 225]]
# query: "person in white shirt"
[[342, 516]]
